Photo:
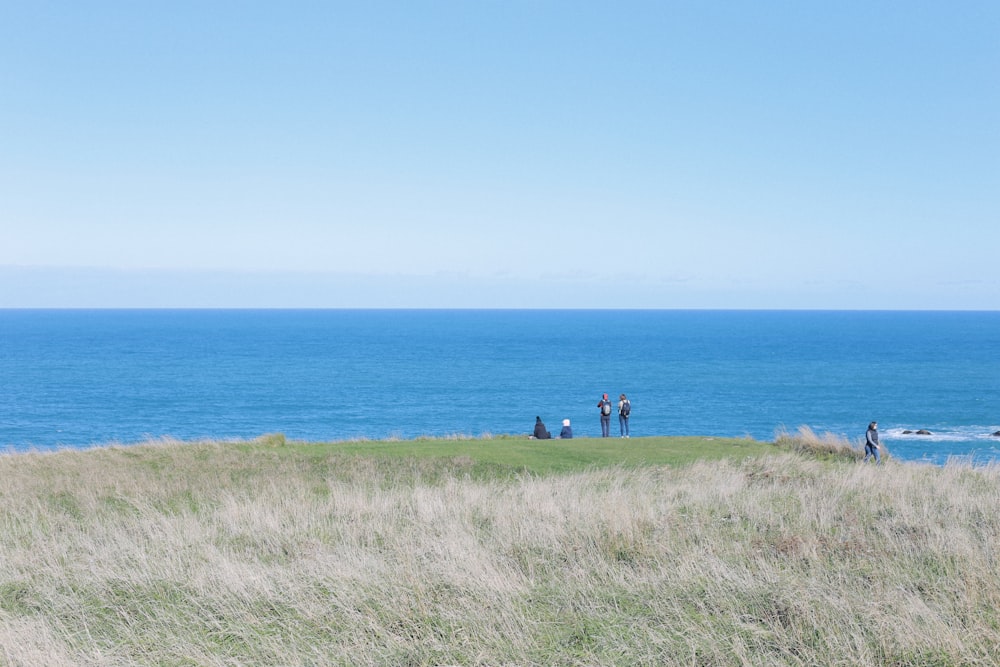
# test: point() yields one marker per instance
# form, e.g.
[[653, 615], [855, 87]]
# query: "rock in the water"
[[924, 431], [907, 432], [996, 433]]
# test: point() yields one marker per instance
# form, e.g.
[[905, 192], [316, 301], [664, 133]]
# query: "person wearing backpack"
[[605, 405], [624, 410]]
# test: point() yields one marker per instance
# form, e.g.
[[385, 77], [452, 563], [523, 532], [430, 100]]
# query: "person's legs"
[[605, 426], [621, 425], [626, 428]]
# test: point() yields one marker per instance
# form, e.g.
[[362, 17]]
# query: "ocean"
[[78, 378]]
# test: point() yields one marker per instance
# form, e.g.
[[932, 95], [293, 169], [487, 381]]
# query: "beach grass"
[[494, 551]]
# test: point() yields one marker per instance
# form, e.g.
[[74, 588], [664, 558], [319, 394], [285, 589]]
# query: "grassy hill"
[[650, 551]]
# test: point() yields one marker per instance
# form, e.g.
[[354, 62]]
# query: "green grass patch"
[[540, 456]]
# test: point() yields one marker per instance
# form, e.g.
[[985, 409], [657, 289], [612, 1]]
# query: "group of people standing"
[[605, 406], [624, 412]]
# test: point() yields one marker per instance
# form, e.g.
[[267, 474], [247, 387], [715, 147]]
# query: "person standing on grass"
[[624, 410], [871, 443], [605, 405]]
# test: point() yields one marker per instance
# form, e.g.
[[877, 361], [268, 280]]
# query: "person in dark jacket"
[[871, 443], [567, 430], [605, 405], [540, 432]]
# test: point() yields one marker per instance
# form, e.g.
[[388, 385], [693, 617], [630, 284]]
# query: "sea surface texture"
[[76, 378]]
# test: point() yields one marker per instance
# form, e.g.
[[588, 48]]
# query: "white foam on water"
[[943, 434], [975, 445]]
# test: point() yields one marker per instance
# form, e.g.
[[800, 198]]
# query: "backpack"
[[626, 408], [606, 407]]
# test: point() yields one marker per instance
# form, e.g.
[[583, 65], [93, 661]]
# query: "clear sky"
[[500, 154]]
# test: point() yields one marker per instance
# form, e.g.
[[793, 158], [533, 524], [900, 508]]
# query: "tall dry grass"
[[827, 446], [219, 555]]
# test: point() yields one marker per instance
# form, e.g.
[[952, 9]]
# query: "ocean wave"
[[943, 433]]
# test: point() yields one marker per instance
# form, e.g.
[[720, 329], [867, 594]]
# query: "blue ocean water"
[[83, 377]]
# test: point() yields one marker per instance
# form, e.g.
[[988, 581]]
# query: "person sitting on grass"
[[540, 432], [567, 430]]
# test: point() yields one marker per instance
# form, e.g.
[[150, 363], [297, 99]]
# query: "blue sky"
[[500, 154]]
